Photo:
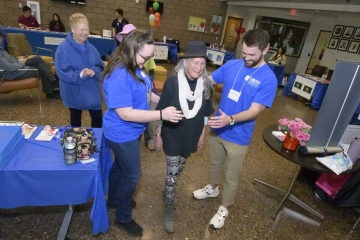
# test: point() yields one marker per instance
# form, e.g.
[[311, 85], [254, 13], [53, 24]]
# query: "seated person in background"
[[10, 65], [278, 57], [149, 66], [27, 20], [56, 25]]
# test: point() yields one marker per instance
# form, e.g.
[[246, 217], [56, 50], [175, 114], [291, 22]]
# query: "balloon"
[[151, 10], [157, 25], [242, 30], [157, 20], [151, 23], [216, 28], [202, 24], [156, 6], [157, 15], [238, 30], [151, 17], [237, 39]]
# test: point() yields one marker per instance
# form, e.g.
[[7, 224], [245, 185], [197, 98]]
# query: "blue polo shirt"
[[260, 87], [123, 91]]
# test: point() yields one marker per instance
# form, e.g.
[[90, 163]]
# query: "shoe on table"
[[113, 205], [131, 228], [206, 192], [169, 222], [53, 95], [151, 144], [218, 219]]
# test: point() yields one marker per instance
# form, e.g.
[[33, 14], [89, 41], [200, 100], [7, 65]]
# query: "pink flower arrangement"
[[295, 128]]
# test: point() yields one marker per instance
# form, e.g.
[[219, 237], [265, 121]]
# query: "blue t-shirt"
[[260, 87], [123, 91]]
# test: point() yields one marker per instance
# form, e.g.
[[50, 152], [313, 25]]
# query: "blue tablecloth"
[[38, 176], [318, 93], [228, 55], [105, 46], [172, 52], [278, 71]]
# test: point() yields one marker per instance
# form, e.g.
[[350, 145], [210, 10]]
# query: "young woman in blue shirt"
[[128, 96]]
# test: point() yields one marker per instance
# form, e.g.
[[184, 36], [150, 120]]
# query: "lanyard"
[[246, 79]]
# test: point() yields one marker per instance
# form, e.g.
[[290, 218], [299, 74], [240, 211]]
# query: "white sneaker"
[[218, 219], [206, 192]]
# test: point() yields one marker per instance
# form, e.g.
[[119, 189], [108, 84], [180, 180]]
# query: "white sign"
[[303, 87], [106, 33], [53, 40], [161, 52], [215, 56]]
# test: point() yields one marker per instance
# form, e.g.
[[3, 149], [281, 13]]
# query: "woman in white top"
[[278, 57]]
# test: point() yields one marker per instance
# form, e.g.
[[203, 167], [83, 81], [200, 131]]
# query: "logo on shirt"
[[252, 81]]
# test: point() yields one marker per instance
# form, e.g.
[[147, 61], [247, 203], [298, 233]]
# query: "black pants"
[[44, 73], [75, 118]]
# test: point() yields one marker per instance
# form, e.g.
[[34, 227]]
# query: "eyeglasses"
[[146, 59]]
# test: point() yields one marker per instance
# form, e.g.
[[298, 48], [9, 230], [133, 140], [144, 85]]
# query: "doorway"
[[319, 50], [230, 35]]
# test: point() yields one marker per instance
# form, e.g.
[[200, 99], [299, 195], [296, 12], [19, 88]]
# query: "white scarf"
[[185, 94]]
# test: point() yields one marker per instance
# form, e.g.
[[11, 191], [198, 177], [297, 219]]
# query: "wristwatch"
[[232, 121]]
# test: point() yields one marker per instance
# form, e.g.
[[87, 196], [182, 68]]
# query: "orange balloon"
[[157, 15]]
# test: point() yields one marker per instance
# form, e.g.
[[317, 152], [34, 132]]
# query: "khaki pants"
[[234, 154]]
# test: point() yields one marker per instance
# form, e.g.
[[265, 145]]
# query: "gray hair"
[[182, 65]]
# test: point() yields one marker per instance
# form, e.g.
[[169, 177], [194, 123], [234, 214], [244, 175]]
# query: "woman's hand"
[[172, 115], [201, 140], [158, 143]]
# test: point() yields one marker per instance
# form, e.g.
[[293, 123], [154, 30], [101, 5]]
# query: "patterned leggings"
[[175, 165]]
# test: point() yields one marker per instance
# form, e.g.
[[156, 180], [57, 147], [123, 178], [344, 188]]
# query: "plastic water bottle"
[[69, 151]]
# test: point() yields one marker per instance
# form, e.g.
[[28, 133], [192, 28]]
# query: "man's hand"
[[219, 121]]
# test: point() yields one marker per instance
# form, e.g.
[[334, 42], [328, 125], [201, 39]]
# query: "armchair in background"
[[18, 45], [8, 86]]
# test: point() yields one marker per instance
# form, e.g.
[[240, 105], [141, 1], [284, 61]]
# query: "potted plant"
[[297, 132]]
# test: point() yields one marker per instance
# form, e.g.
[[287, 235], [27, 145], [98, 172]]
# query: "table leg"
[[287, 195], [66, 223]]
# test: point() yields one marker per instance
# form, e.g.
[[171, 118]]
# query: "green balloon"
[[155, 6]]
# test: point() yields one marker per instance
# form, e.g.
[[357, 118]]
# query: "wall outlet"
[[137, 1], [20, 5]]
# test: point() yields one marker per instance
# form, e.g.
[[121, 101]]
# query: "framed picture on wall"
[[216, 24], [348, 32], [196, 24], [354, 47], [338, 31], [357, 33], [333, 43], [343, 44]]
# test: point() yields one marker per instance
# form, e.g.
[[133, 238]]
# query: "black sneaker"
[[131, 228], [55, 85], [113, 206], [53, 95]]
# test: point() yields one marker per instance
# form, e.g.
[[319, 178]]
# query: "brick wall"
[[174, 19]]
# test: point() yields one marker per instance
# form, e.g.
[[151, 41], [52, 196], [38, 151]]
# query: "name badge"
[[143, 74], [234, 95]]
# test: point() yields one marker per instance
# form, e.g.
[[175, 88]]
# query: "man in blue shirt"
[[249, 86]]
